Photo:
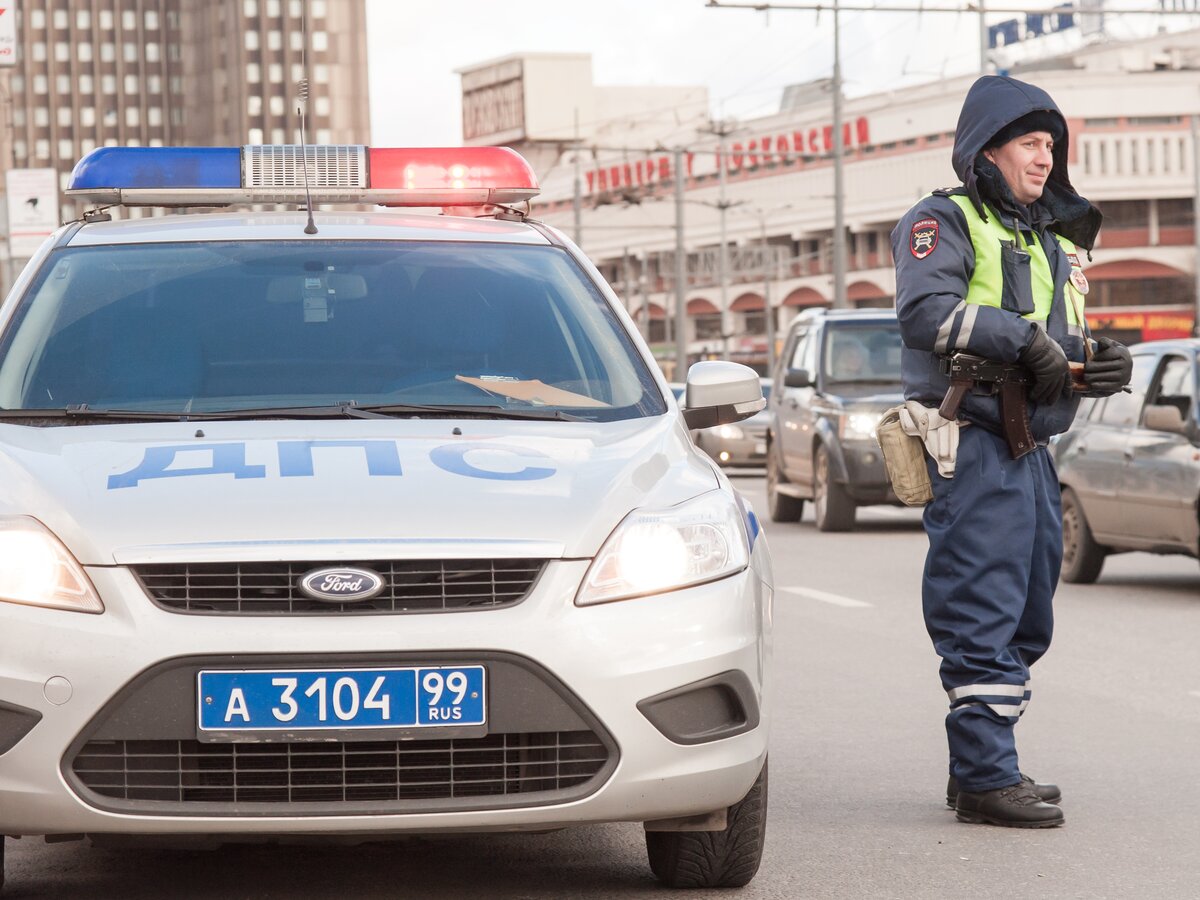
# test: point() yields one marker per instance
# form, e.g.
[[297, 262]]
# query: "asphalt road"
[[857, 763]]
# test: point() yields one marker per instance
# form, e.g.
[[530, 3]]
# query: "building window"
[[321, 105], [254, 136], [155, 142], [152, 52], [131, 84], [86, 85], [176, 84], [317, 8], [254, 105], [64, 117], [151, 19], [250, 8], [132, 116], [275, 73], [274, 40], [62, 84], [295, 8], [41, 117], [176, 116], [129, 20], [62, 52], [83, 19], [251, 40], [1176, 213], [173, 52], [40, 84], [61, 19], [106, 19], [131, 52], [324, 136], [173, 19], [41, 149], [154, 116], [66, 150], [37, 18], [110, 118], [86, 146], [108, 84], [321, 73], [253, 73], [110, 142], [276, 105], [132, 142], [19, 116], [19, 150], [297, 71], [153, 84], [320, 41], [297, 41], [84, 50], [18, 83], [279, 137], [39, 51], [273, 9], [1126, 214], [87, 116], [108, 52]]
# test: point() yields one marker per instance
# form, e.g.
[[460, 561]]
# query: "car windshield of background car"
[[217, 326], [867, 353], [1124, 410]]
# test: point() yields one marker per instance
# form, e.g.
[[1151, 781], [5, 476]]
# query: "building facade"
[[92, 73], [1132, 152]]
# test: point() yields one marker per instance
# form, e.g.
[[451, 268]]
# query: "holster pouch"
[[904, 459]]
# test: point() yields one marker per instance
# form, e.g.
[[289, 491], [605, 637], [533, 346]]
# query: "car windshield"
[[862, 352], [223, 326]]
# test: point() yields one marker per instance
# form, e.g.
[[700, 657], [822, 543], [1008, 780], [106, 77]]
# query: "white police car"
[[376, 523]]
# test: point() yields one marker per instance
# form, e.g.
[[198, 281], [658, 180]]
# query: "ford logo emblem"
[[341, 585]]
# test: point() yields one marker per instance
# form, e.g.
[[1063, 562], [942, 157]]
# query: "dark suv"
[[839, 371]]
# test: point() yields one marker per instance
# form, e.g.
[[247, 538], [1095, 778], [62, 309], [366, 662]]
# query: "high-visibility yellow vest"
[[987, 281]]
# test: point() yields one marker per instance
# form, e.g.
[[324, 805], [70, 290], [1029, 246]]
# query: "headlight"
[[653, 551], [860, 426], [37, 570], [729, 432]]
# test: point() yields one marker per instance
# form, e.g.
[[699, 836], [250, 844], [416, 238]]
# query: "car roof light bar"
[[220, 176]]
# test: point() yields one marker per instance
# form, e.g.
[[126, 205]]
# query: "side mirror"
[[1164, 417], [721, 392], [797, 378]]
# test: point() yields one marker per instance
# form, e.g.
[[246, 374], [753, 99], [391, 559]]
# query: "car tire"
[[780, 507], [709, 859], [833, 509], [1083, 558]]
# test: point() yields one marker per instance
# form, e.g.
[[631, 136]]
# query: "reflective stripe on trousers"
[[995, 549]]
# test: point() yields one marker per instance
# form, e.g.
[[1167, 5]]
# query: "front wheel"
[[1083, 558], [833, 507], [702, 859]]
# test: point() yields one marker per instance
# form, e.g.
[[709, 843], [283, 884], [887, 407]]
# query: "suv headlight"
[[37, 570], [654, 551], [859, 426]]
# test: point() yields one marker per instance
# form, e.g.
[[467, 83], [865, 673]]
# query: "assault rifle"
[[1009, 381]]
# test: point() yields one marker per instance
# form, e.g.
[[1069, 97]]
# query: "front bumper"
[[866, 475], [75, 669]]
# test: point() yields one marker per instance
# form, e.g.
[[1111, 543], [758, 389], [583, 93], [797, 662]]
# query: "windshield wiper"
[[348, 410]]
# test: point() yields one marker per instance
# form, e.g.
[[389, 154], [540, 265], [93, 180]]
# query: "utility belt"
[[967, 372]]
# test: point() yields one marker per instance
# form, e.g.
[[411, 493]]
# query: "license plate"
[[339, 699]]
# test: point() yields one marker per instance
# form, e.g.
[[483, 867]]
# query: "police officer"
[[992, 268]]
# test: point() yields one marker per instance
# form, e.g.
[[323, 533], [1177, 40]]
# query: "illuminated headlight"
[[654, 551], [37, 570], [729, 432], [860, 426]]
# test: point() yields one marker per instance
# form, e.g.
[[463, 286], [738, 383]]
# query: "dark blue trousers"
[[995, 549]]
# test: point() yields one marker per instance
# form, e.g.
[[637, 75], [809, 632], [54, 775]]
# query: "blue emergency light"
[[219, 176]]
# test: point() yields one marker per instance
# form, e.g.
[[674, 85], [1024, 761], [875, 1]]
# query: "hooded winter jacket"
[[936, 259]]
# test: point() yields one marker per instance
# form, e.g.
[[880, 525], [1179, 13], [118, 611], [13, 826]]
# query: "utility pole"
[[768, 274], [577, 203], [1196, 216], [723, 250], [839, 188], [680, 268], [983, 37]]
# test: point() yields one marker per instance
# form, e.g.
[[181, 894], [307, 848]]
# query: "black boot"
[[1049, 793], [1015, 806]]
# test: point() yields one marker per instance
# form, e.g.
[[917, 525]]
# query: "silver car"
[[1130, 466]]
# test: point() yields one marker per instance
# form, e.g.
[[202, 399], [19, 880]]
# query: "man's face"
[[1025, 163]]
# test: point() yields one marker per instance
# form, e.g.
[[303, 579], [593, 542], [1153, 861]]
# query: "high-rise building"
[[91, 73]]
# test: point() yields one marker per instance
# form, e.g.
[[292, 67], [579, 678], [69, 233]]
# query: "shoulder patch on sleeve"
[[923, 238]]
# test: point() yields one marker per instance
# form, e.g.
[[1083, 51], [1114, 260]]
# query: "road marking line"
[[825, 597]]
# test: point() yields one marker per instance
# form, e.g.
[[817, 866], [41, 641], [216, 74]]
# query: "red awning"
[[865, 290], [805, 297], [747, 303], [1132, 268], [698, 306]]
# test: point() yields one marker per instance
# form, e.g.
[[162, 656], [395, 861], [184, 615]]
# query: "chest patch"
[[1079, 280], [923, 238]]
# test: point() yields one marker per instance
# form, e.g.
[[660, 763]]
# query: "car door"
[[1098, 461], [795, 418], [1158, 484]]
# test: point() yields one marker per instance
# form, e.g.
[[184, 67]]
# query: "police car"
[[365, 523]]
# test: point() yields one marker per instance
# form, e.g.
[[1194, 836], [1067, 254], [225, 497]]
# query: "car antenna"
[[301, 109]]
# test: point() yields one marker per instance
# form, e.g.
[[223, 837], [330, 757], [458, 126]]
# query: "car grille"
[[270, 588], [189, 772]]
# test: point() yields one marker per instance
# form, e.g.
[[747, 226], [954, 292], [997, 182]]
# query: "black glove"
[[1047, 363], [1109, 369]]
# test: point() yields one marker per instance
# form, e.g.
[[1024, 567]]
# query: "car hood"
[[337, 489]]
